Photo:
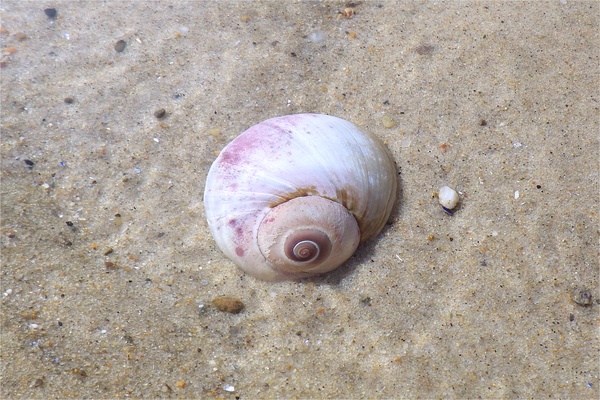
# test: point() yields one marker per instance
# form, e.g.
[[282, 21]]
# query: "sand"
[[108, 266]]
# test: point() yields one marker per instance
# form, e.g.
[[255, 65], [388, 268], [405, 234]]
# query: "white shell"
[[318, 158], [448, 197]]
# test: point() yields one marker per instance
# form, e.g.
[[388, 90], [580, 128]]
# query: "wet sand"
[[108, 266]]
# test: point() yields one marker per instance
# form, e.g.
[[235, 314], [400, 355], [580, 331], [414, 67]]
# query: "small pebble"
[[214, 132], [229, 388], [110, 265], [29, 163], [37, 383], [120, 46], [448, 198], [228, 304], [160, 113], [80, 373], [69, 100], [388, 122], [51, 13], [118, 221], [425, 49], [583, 297]]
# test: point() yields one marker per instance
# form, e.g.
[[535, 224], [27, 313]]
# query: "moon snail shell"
[[294, 196]]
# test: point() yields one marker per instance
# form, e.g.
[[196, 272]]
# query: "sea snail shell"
[[293, 196]]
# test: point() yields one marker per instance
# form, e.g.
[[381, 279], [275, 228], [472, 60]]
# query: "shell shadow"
[[363, 254]]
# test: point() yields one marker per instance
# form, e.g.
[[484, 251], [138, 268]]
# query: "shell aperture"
[[293, 196]]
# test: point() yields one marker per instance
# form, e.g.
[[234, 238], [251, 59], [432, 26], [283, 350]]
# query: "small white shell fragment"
[[516, 194], [448, 197], [229, 388]]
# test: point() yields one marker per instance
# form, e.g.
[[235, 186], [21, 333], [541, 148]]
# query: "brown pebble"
[[583, 297], [228, 304], [110, 265], [30, 314], [160, 113], [80, 373], [69, 100], [37, 383], [120, 46], [347, 13], [425, 49]]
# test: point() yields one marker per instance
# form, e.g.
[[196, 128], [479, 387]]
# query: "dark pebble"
[[39, 382], [228, 304], [29, 162], [51, 13], [128, 339], [69, 100], [120, 46], [366, 301], [160, 113], [448, 211], [425, 49]]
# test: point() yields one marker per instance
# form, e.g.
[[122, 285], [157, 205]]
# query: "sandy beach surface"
[[112, 113]]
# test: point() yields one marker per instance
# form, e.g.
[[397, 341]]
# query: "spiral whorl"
[[308, 235]]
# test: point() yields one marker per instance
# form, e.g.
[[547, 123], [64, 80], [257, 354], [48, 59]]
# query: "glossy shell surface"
[[295, 156]]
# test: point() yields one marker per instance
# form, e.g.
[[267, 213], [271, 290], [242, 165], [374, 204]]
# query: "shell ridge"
[[374, 216], [315, 143]]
